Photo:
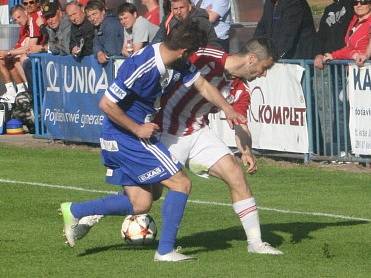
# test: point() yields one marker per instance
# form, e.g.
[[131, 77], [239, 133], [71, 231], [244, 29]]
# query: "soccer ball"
[[138, 229]]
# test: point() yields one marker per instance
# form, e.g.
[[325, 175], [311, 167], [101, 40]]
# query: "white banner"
[[359, 88], [277, 115]]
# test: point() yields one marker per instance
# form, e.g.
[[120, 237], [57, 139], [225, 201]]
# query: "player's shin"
[[172, 214], [248, 214], [115, 204]]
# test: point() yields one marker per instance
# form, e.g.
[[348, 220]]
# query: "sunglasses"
[[28, 3], [362, 2]]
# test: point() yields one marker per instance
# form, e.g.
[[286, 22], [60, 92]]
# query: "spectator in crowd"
[[82, 31], [332, 29], [109, 34], [181, 10], [10, 60], [330, 36], [4, 12], [153, 11], [361, 59], [220, 17], [138, 31], [289, 23], [58, 28], [357, 35]]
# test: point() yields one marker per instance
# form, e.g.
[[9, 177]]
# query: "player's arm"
[[244, 145], [118, 116], [212, 94]]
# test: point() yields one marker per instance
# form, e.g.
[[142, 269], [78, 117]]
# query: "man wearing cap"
[[57, 28]]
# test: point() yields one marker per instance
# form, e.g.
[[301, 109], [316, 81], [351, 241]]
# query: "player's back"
[[184, 109]]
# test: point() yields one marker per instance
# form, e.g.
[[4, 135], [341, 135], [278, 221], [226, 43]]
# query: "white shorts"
[[198, 151]]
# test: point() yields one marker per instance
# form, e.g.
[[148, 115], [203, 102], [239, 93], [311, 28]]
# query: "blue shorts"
[[133, 161]]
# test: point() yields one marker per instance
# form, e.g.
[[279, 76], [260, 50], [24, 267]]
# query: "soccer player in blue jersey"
[[133, 156]]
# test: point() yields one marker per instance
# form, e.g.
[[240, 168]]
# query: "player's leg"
[[172, 212], [11, 92], [79, 217], [211, 153]]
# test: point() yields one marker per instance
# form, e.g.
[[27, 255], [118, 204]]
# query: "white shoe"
[[172, 256], [8, 98], [85, 224], [70, 223], [263, 248]]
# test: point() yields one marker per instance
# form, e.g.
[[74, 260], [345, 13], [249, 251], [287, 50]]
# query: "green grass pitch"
[[315, 245]]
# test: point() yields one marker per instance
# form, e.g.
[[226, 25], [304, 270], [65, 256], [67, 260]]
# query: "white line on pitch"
[[189, 201]]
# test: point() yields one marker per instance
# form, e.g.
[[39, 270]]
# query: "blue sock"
[[109, 205], [172, 214]]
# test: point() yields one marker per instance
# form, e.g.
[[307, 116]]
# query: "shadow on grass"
[[221, 239]]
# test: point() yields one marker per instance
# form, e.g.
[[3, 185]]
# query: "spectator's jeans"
[[330, 108]]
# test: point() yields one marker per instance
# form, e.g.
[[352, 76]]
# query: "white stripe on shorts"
[[166, 162]]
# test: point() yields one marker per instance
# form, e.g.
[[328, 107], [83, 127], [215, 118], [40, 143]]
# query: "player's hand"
[[147, 130], [233, 117], [249, 160]]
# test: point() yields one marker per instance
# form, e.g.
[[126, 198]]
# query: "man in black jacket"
[[82, 31], [180, 10], [289, 23], [330, 36]]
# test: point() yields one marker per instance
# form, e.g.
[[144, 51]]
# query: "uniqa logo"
[[78, 79], [274, 114]]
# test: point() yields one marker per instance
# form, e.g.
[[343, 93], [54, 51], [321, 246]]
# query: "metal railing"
[[325, 92]]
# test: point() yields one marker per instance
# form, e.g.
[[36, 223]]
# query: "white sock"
[[248, 214], [21, 88], [10, 89]]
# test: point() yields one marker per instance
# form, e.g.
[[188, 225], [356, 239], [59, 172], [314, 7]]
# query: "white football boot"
[[173, 256], [85, 224], [263, 248]]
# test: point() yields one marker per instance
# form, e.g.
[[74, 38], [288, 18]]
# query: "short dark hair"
[[127, 8], [186, 34], [263, 48], [16, 8], [95, 5]]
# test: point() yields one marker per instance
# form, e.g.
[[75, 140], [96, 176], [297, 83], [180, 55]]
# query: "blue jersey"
[[139, 84]]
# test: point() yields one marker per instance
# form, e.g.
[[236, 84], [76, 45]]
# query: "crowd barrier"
[[66, 93]]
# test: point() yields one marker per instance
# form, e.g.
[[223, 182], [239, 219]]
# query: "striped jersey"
[[185, 111], [140, 82]]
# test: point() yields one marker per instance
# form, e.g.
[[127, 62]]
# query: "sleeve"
[[189, 74], [97, 44], [260, 29], [141, 31], [321, 35], [35, 31], [117, 91], [241, 97], [221, 7], [290, 24]]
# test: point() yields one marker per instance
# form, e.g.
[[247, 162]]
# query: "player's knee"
[[179, 182], [140, 207]]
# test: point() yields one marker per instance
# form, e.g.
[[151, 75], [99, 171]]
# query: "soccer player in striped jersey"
[[183, 120], [134, 157]]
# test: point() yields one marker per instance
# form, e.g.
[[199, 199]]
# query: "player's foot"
[[85, 224], [263, 248], [8, 97], [172, 256], [70, 224]]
